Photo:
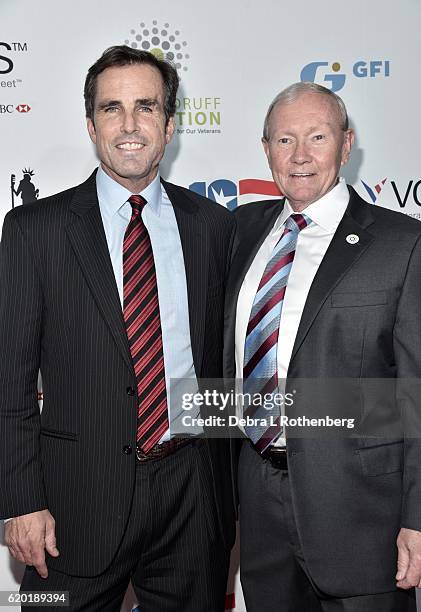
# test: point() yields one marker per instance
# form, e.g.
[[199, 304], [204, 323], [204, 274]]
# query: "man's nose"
[[301, 154], [129, 123]]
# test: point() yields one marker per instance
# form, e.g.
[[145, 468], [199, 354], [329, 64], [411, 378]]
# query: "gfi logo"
[[331, 77]]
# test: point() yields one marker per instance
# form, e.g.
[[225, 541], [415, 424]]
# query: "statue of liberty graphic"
[[26, 188]]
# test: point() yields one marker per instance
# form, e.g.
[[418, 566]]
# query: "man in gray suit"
[[324, 286]]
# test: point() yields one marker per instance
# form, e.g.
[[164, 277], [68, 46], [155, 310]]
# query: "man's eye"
[[284, 140], [145, 109], [318, 137], [110, 109]]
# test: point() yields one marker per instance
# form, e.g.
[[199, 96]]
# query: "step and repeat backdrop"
[[233, 58]]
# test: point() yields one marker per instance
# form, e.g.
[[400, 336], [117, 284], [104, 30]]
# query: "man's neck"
[[135, 184]]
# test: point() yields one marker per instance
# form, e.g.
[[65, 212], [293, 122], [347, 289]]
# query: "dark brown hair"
[[121, 55]]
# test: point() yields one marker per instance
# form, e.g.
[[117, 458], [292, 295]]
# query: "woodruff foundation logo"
[[195, 115], [163, 41]]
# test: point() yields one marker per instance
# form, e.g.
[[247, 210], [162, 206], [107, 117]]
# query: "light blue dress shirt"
[[159, 219]]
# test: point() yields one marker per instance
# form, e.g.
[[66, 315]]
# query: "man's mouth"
[[130, 146], [302, 174]]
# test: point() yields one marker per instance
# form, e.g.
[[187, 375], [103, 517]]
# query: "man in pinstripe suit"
[[100, 490]]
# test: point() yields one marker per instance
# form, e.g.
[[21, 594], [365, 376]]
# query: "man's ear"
[[349, 138], [265, 144], [169, 130], [91, 129]]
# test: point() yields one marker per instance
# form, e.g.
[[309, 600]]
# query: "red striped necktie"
[[143, 325]]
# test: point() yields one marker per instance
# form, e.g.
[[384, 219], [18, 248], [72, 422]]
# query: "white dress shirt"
[[312, 244]]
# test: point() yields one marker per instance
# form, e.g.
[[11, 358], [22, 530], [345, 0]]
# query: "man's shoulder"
[[37, 217], [253, 213], [253, 209], [386, 220], [49, 209], [44, 205], [395, 220]]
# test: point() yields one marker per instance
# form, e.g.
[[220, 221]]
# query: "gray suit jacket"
[[361, 320]]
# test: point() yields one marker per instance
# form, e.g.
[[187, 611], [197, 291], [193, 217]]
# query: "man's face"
[[306, 148], [129, 124]]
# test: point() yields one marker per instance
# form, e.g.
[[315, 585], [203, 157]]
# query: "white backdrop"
[[233, 58]]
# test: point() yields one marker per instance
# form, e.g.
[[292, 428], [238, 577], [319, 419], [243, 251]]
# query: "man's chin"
[[302, 199], [126, 172], [133, 179]]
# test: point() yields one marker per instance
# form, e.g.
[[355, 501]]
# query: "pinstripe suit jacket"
[[60, 312]]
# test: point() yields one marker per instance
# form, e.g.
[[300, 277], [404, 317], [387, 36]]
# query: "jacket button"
[[127, 450], [130, 391]]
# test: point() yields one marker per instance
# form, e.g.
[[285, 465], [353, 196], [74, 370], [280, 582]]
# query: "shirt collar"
[[112, 196], [326, 212]]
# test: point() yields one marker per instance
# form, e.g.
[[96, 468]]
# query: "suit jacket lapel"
[[339, 258], [87, 236], [195, 245], [251, 238]]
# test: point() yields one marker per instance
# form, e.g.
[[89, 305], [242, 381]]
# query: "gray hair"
[[291, 93]]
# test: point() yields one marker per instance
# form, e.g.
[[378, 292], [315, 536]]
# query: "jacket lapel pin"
[[352, 239]]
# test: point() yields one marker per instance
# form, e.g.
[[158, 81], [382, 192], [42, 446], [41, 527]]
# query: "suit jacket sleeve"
[[21, 308], [407, 349]]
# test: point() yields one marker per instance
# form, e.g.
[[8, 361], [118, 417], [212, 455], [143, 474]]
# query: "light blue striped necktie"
[[260, 371]]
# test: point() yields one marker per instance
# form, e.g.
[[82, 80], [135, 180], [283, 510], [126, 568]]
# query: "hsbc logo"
[[8, 109], [23, 108]]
